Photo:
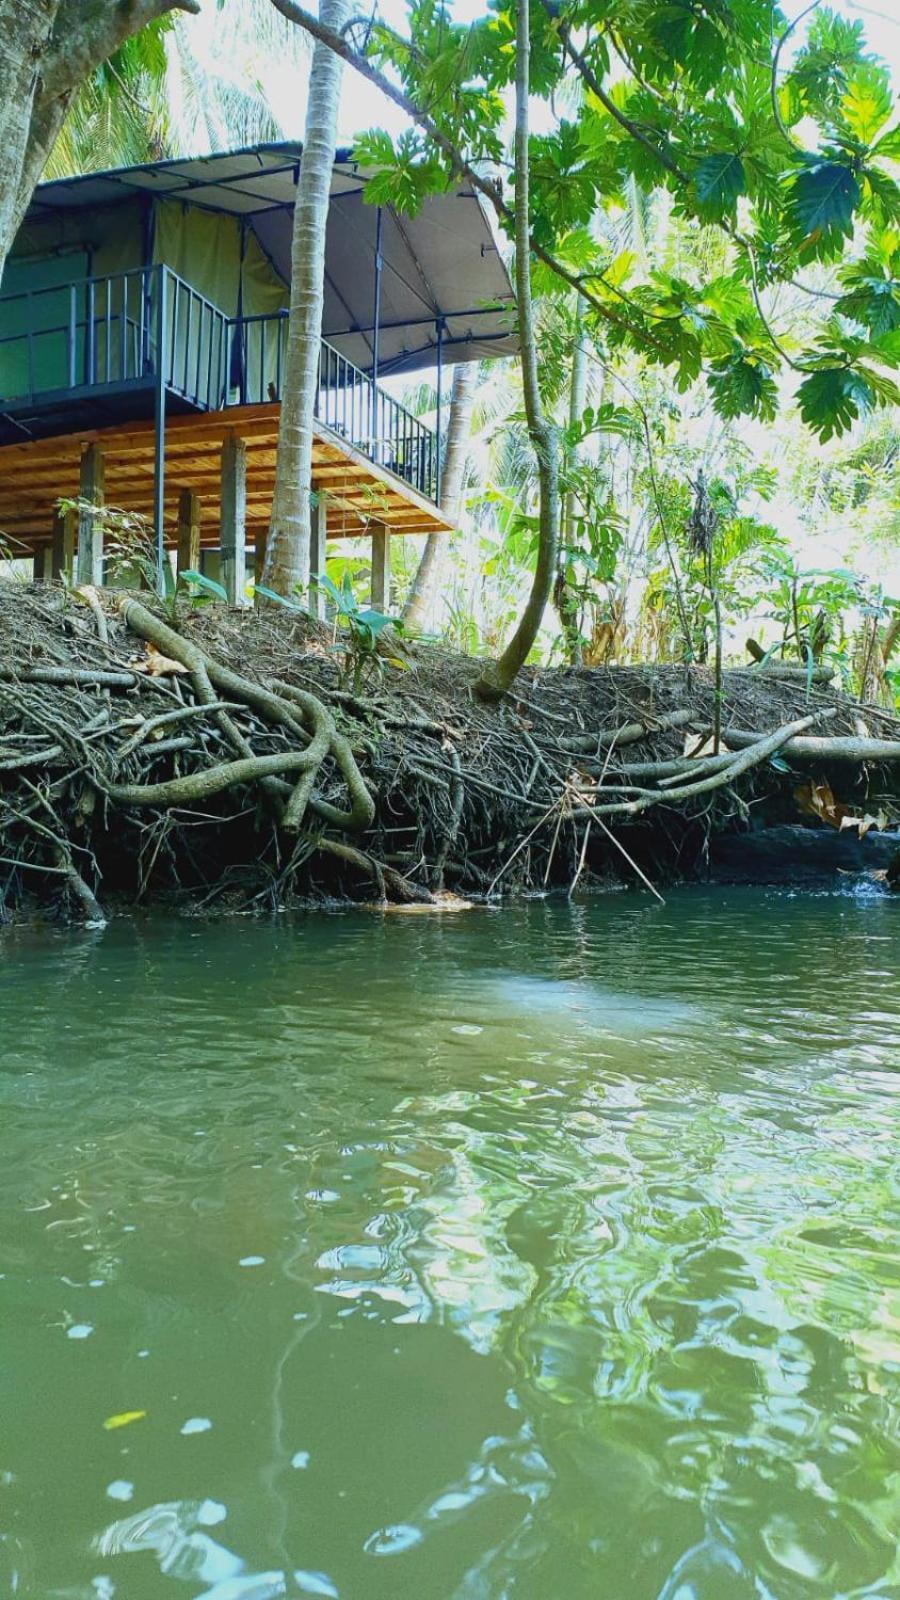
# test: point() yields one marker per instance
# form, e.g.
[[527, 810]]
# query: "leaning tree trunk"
[[26, 35], [286, 568], [498, 677], [419, 609], [48, 48], [566, 603]]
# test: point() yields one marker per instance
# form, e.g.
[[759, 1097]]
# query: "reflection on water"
[[533, 1255]]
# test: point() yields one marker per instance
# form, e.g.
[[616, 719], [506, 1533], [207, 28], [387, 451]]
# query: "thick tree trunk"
[[47, 50], [26, 33], [286, 569], [418, 613], [497, 678]]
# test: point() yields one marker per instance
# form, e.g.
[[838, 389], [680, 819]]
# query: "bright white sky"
[[362, 106]]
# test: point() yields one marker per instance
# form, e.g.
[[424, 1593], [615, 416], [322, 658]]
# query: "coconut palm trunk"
[[286, 569], [418, 613]]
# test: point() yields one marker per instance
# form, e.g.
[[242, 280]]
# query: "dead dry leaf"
[[156, 665], [697, 749], [818, 800], [866, 823]]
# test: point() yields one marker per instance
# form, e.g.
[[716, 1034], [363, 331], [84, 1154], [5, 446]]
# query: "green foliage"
[[832, 399], [718, 181], [822, 202], [685, 107], [363, 627], [872, 293], [810, 607], [867, 102], [404, 170], [207, 588], [742, 385]]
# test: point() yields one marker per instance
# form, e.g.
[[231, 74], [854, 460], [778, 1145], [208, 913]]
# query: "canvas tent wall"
[[436, 279], [46, 274], [54, 257], [219, 256]]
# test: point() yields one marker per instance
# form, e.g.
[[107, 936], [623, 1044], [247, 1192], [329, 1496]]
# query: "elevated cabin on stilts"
[[143, 328]]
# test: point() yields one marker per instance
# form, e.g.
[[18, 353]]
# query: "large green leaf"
[[821, 206], [832, 399], [743, 386], [867, 101], [269, 594], [718, 181], [872, 301], [888, 146], [200, 581]]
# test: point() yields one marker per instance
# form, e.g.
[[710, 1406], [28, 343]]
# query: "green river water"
[[547, 1253]]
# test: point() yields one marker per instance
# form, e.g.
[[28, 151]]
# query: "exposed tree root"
[[231, 766], [293, 710]]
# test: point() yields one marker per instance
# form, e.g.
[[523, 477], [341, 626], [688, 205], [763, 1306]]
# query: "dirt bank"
[[219, 760]]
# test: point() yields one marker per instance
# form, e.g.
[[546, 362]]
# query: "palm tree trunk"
[[498, 677], [418, 613], [286, 569]]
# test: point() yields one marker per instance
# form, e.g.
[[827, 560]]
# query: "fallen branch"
[[80, 677], [842, 747], [735, 769], [629, 733]]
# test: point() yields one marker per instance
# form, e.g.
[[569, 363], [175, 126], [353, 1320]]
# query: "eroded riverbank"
[[249, 761]]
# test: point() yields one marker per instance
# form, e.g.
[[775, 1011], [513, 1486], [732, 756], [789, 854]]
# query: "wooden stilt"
[[62, 545], [188, 531], [381, 567], [233, 536], [42, 562], [318, 541], [89, 565], [259, 554]]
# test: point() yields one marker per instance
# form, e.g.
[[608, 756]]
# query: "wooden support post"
[[259, 553], [318, 540], [42, 563], [188, 531], [381, 567], [90, 528], [62, 547], [233, 535]]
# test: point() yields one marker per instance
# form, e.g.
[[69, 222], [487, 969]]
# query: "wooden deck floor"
[[35, 473]]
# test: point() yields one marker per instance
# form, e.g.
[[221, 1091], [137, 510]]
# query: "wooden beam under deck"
[[35, 473]]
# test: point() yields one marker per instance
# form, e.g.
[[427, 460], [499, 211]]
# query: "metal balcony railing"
[[348, 401], [133, 330]]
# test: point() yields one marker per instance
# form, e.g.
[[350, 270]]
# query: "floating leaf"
[[123, 1419]]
